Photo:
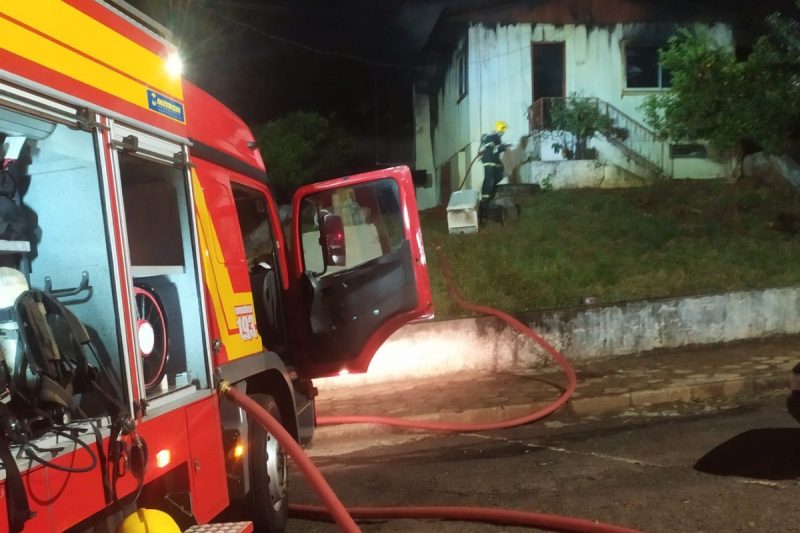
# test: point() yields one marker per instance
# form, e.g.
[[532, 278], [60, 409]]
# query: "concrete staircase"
[[633, 140]]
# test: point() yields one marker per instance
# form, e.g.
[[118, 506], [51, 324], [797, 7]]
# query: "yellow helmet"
[[500, 126], [148, 521]]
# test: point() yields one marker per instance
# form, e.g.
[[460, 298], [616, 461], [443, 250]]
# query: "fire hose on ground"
[[557, 356], [345, 517]]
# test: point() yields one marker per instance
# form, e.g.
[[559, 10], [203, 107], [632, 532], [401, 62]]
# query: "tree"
[[785, 36], [732, 104], [300, 148], [579, 119]]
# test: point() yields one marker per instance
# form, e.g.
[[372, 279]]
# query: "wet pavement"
[[705, 466], [736, 372]]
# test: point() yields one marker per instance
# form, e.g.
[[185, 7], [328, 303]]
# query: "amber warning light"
[[238, 451], [163, 458]]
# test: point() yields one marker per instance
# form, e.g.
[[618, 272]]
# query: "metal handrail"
[[636, 133]]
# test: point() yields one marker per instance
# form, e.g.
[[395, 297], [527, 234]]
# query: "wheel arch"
[[278, 386], [264, 373]]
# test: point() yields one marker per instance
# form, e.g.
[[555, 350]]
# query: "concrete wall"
[[451, 133], [486, 344], [694, 168], [423, 155], [500, 83], [576, 174]]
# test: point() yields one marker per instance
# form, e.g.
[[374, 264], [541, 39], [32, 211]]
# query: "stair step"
[[223, 527]]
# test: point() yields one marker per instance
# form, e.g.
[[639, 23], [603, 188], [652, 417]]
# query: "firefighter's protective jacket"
[[491, 148]]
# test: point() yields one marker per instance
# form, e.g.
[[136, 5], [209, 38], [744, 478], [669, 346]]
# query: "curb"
[[607, 404], [704, 391]]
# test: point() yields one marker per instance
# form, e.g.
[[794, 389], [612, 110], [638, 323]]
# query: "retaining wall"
[[485, 344]]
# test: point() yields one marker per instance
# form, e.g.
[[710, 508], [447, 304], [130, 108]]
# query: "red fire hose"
[[344, 517], [334, 506], [450, 427]]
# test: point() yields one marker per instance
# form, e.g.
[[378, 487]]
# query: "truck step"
[[223, 527]]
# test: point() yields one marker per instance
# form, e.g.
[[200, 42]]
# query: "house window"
[[643, 69], [434, 110], [462, 75], [688, 151]]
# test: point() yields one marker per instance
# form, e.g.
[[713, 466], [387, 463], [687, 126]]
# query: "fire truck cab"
[[142, 261]]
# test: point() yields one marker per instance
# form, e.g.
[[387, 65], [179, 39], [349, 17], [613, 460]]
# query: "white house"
[[509, 60]]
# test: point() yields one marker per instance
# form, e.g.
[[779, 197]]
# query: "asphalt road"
[[700, 469]]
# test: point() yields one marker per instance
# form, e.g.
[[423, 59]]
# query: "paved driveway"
[[704, 468]]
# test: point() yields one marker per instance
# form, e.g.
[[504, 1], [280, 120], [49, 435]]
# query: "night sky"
[[239, 52], [350, 59]]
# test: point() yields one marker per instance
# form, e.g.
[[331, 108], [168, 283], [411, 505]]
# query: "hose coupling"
[[224, 387]]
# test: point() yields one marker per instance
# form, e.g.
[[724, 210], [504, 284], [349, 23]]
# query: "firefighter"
[[491, 148]]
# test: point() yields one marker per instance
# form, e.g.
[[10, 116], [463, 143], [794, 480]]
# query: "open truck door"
[[360, 268]]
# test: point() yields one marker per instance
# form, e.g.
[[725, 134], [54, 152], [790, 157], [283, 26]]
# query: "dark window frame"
[[560, 47], [462, 70], [434, 109], [688, 151], [643, 49]]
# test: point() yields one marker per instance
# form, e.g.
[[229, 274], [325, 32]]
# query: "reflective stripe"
[[59, 37]]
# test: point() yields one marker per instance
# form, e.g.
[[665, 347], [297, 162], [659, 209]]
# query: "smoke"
[[417, 21]]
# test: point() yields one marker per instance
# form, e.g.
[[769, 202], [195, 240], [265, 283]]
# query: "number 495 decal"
[[246, 322]]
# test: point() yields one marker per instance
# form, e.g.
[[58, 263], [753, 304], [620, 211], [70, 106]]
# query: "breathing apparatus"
[[12, 285], [44, 369]]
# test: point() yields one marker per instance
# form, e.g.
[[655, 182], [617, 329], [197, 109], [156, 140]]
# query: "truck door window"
[[259, 245], [363, 271], [372, 220], [251, 208]]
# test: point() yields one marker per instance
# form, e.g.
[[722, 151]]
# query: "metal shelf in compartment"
[[14, 247], [146, 271]]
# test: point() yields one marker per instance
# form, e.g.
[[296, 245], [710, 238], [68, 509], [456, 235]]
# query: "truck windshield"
[[53, 227]]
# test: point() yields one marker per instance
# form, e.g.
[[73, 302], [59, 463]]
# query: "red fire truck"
[[142, 261]]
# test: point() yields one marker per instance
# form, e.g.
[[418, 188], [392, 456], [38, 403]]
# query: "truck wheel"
[[269, 474]]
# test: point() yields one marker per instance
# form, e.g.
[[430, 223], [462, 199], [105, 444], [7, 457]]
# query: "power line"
[[304, 46], [264, 7]]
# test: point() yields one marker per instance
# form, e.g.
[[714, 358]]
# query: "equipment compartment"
[[161, 247], [52, 198]]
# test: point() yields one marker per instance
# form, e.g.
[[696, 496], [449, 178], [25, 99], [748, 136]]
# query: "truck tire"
[[269, 473]]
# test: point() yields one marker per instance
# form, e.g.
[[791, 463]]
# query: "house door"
[[548, 70], [445, 184]]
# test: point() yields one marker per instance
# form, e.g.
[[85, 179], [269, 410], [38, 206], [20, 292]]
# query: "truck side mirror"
[[331, 237]]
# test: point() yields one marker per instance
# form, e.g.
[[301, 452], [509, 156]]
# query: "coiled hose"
[[557, 356]]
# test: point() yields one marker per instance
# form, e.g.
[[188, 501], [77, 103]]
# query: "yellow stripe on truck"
[[94, 53], [220, 288]]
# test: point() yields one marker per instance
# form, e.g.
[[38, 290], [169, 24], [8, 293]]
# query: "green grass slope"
[[676, 238]]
